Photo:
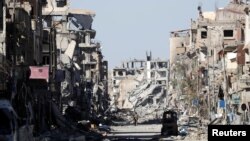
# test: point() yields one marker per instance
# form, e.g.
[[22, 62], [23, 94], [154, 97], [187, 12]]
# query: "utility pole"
[[197, 92], [221, 44], [207, 84], [213, 78], [208, 79], [225, 81]]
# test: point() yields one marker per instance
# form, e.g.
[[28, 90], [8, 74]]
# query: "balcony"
[[90, 45], [245, 81], [91, 62]]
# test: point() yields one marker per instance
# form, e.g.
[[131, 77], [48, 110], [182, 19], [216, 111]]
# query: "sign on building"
[[235, 99], [222, 104]]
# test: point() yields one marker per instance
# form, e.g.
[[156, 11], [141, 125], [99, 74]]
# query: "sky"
[[127, 29]]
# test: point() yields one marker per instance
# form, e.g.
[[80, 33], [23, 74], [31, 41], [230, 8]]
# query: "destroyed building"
[[216, 80], [81, 70], [140, 86], [53, 71]]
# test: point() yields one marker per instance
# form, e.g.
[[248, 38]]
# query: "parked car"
[[8, 122]]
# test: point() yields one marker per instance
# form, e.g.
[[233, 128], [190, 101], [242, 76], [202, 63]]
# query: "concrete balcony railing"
[[244, 81], [92, 44]]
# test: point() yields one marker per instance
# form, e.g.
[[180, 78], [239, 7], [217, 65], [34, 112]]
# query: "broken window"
[[92, 66], [157, 90], [163, 74], [44, 2], [203, 34], [212, 52], [152, 65], [228, 33], [46, 36], [162, 65], [131, 72], [46, 60], [162, 82], [92, 74], [152, 74], [120, 73], [61, 3]]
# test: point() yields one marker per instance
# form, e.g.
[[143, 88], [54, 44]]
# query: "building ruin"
[[53, 71], [216, 79]]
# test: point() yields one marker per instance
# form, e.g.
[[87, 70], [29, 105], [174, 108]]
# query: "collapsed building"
[[214, 84], [52, 70], [81, 71], [140, 86]]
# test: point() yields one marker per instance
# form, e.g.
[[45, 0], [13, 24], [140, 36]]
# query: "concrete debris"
[[197, 134], [54, 79], [140, 87], [104, 128], [209, 66], [53, 73], [148, 102], [183, 131]]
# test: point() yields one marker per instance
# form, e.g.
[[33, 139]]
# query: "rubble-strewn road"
[[146, 132]]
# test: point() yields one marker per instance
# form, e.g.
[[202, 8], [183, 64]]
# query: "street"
[[131, 132], [150, 132]]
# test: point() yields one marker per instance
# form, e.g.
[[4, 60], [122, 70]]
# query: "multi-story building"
[[52, 70], [132, 74], [219, 61], [80, 71]]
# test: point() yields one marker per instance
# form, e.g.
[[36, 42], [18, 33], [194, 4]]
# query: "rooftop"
[[82, 12]]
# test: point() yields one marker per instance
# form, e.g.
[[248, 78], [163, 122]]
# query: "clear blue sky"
[[129, 28]]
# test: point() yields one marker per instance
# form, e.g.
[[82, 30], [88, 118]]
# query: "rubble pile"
[[53, 75], [191, 128], [148, 101], [140, 87], [196, 134], [209, 65]]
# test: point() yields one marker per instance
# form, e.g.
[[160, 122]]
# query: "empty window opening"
[[93, 66], [228, 33], [203, 34], [46, 60], [120, 73]]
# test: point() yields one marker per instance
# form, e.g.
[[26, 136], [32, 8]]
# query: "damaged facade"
[[214, 84], [52, 68], [140, 86]]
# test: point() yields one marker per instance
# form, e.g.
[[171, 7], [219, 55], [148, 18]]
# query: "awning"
[[39, 72], [230, 48]]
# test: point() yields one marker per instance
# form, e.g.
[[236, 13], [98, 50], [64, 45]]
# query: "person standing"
[[135, 118]]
